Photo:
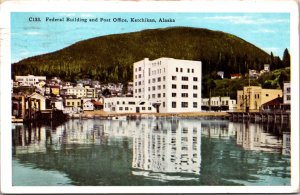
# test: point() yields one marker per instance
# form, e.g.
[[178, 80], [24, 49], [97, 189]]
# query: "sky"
[[268, 31]]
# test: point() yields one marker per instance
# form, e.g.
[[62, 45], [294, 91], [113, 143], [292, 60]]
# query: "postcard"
[[149, 97]]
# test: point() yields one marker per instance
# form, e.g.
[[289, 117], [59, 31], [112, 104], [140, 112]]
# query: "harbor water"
[[148, 152]]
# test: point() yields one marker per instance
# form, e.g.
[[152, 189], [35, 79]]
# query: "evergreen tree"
[[286, 58]]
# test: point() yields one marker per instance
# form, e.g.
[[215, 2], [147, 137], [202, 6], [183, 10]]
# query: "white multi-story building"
[[30, 80], [287, 93], [171, 85]]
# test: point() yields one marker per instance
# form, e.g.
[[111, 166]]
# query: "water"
[[151, 153]]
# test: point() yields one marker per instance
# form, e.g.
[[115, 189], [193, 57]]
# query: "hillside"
[[110, 58]]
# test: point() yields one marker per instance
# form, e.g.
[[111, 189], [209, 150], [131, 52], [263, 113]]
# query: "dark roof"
[[276, 101], [96, 103]]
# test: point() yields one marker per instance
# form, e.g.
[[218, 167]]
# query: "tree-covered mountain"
[[110, 58]]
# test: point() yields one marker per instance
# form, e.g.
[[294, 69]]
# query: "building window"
[[120, 108], [126, 108], [149, 89], [176, 69], [68, 103], [181, 69], [184, 95], [140, 90], [195, 87], [131, 103], [184, 104], [173, 94], [194, 104], [117, 102], [153, 80], [195, 95], [288, 97], [173, 86], [192, 70], [149, 108], [158, 95], [164, 86], [158, 79], [164, 95], [140, 76], [174, 78], [153, 95], [195, 79], [140, 68], [159, 87], [143, 108], [184, 130], [173, 104], [153, 88], [184, 78], [267, 95], [164, 104], [164, 78], [188, 70], [184, 86]]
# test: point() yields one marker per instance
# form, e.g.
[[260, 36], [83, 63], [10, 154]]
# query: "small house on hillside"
[[235, 76]]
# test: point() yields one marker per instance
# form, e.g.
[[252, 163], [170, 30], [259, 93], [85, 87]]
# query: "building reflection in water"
[[159, 146], [253, 136], [167, 147]]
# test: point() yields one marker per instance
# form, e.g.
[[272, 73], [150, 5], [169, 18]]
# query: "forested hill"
[[110, 58]]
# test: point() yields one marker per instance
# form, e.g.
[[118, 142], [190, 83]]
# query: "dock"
[[262, 116]]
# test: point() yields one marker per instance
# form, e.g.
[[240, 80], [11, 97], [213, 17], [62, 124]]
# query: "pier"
[[262, 116]]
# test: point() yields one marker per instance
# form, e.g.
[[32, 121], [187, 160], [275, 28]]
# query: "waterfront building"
[[29, 80], [128, 105], [219, 103], [253, 97], [171, 85], [88, 105], [37, 101], [287, 93], [72, 101]]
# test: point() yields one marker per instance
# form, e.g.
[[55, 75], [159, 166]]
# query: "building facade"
[[287, 93], [30, 80], [253, 97], [128, 105], [171, 85]]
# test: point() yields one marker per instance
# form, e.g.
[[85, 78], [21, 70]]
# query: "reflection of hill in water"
[[105, 152]]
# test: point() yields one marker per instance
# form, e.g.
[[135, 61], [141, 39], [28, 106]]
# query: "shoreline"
[[101, 114]]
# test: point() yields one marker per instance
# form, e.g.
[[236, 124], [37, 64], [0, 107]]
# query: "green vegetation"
[[110, 58], [228, 87]]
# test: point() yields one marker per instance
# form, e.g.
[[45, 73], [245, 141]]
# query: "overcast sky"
[[268, 31]]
